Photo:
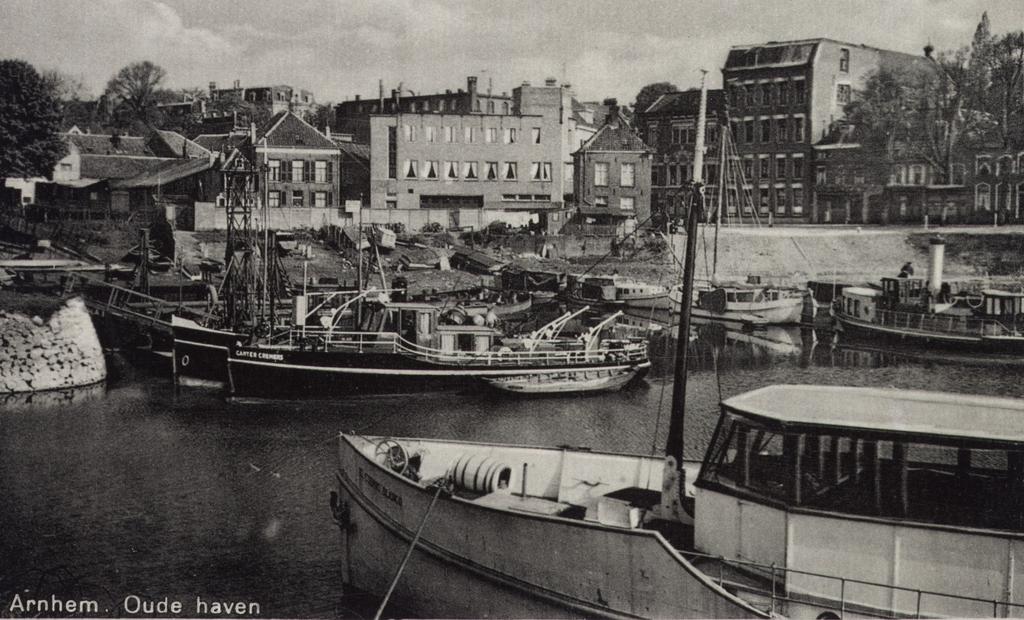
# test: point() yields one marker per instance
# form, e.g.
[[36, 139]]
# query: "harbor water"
[[135, 489]]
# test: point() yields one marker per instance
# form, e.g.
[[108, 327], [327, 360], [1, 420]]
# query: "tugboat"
[[924, 312]]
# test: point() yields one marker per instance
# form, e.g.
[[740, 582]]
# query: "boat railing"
[[508, 357], [944, 323], [391, 342], [780, 584]]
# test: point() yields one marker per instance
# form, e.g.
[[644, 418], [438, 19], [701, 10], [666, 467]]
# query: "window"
[[766, 131], [601, 174], [798, 129], [429, 133], [540, 171], [535, 135], [392, 153], [748, 166], [799, 92], [626, 203], [506, 108], [780, 200], [758, 95], [410, 168], [431, 170], [656, 175], [298, 198], [469, 171], [449, 134], [821, 175], [476, 105], [492, 135], [982, 197], [764, 200], [903, 206], [320, 172], [510, 135], [766, 94], [798, 167], [273, 169], [319, 199], [917, 174], [748, 131], [274, 199], [844, 60], [764, 167], [842, 93], [673, 175], [739, 95], [442, 105], [511, 171], [299, 172], [982, 165], [652, 133], [627, 176], [491, 171], [451, 170], [469, 134], [780, 166], [780, 130], [409, 133], [600, 201], [798, 200], [490, 107], [783, 93]]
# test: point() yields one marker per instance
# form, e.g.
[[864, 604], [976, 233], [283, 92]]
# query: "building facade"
[[515, 162], [613, 177], [353, 117], [669, 127], [783, 98], [276, 99]]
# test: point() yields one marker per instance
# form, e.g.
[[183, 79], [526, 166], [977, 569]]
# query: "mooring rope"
[[408, 553]]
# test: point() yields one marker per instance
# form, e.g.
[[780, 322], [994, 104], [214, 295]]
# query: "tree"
[[322, 116], [135, 90], [29, 122], [648, 94]]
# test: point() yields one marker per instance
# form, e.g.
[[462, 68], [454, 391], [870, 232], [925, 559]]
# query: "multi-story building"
[[785, 96], [669, 126], [612, 177], [353, 117], [514, 161], [277, 99]]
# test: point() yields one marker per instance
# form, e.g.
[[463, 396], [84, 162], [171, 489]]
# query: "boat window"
[[941, 483], [464, 342]]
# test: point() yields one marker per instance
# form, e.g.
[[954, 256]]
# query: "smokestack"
[[490, 84], [252, 133], [936, 258], [380, 88], [398, 98]]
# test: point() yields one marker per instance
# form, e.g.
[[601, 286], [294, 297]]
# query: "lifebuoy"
[[184, 360]]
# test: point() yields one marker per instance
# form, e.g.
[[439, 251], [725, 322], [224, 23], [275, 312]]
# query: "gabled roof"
[[117, 167], [615, 135], [219, 142], [165, 172], [687, 103], [173, 144], [100, 144], [287, 130], [354, 150]]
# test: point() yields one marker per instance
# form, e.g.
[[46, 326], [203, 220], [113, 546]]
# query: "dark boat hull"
[[865, 331], [276, 373], [201, 354]]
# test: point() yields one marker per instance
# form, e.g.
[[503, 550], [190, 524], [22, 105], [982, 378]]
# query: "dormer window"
[[844, 60], [983, 165]]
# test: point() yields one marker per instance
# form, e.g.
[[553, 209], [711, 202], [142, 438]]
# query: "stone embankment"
[[58, 353]]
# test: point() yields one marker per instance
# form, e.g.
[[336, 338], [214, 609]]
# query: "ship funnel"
[[936, 257]]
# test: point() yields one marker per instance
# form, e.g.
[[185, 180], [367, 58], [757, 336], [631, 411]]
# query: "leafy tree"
[[321, 116], [998, 63], [29, 122], [648, 94], [135, 90]]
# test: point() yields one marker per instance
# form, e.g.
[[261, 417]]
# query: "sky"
[[340, 48]]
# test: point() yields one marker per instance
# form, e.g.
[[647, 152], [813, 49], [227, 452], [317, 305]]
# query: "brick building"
[[276, 99], [612, 177], [302, 164], [784, 97], [669, 127]]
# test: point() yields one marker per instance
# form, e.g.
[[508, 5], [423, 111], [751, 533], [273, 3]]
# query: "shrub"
[[432, 227]]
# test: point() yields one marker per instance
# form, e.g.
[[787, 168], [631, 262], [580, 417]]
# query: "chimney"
[[252, 133], [490, 84], [380, 94], [471, 84], [327, 131], [398, 99], [357, 97], [447, 91], [613, 111], [238, 84], [213, 87], [550, 82]]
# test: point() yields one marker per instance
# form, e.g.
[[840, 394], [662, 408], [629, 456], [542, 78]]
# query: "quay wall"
[[61, 352]]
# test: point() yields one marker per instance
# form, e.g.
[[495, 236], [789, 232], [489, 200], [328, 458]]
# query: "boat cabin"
[[898, 293], [921, 491], [1003, 305], [860, 302]]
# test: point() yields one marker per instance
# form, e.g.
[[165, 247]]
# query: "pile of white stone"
[[46, 355]]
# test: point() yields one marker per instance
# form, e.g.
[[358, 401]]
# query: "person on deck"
[[907, 270]]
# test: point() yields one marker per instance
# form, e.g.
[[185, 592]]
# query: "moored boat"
[[578, 382], [616, 291], [747, 303], [200, 354]]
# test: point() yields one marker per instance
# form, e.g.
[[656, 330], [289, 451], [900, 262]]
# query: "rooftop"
[[615, 135], [904, 412], [686, 102]]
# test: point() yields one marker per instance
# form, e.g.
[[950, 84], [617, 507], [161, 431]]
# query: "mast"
[[674, 444], [721, 201]]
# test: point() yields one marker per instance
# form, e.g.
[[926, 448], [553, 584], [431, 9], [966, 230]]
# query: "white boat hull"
[[570, 383], [785, 311], [506, 558]]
